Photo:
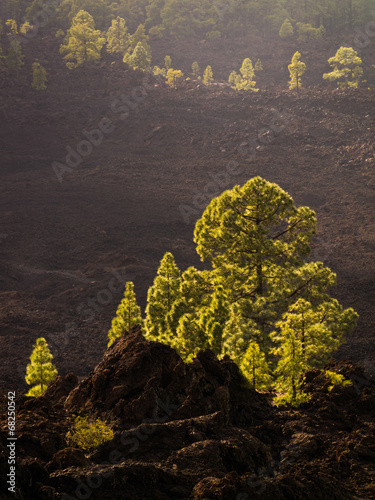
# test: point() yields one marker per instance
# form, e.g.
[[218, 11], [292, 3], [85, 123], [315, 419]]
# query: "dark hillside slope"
[[194, 432], [65, 247]]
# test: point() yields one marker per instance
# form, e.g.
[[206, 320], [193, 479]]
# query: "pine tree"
[[239, 331], [190, 337], [213, 319], [289, 370], [83, 43], [128, 314], [139, 59], [172, 77], [232, 79], [159, 71], [286, 29], [255, 368], [296, 70], [208, 76], [305, 338], [195, 70], [347, 68], [257, 242], [12, 25], [25, 28], [261, 302], [40, 372], [258, 65], [15, 57], [167, 62], [248, 74], [118, 38], [140, 37], [246, 81], [306, 32], [39, 77], [161, 296]]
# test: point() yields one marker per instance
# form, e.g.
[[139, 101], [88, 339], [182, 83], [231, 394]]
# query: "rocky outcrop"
[[194, 431]]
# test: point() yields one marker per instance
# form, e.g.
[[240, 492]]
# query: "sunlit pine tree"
[[83, 43], [161, 296], [40, 372], [128, 314]]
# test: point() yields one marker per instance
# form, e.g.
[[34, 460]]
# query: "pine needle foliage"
[[208, 77], [244, 81], [255, 368], [173, 75], [286, 30], [347, 68], [83, 43], [195, 70], [128, 314], [161, 296], [296, 70], [140, 58], [118, 38], [40, 372], [88, 435]]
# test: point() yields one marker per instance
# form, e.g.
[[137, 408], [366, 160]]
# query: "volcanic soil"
[[68, 242]]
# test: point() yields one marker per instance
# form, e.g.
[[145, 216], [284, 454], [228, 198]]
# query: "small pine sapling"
[[258, 65], [208, 76], [172, 76], [286, 30], [15, 57], [195, 70], [40, 372], [296, 70], [39, 77], [128, 314], [118, 38], [167, 62], [255, 368], [139, 59], [161, 296], [88, 435]]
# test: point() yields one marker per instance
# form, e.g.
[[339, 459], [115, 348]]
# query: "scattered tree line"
[[83, 43], [202, 18]]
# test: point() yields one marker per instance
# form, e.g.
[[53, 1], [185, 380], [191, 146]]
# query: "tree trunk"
[[259, 268], [253, 371]]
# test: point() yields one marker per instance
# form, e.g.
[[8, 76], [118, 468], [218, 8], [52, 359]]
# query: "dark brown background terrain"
[[119, 210]]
